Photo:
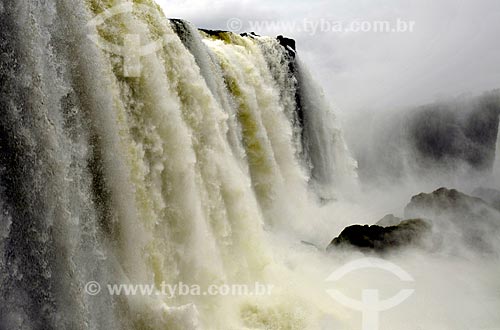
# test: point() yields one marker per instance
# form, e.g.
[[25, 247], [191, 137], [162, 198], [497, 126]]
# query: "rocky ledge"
[[445, 219], [381, 239]]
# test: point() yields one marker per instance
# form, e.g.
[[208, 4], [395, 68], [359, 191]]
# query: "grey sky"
[[454, 49]]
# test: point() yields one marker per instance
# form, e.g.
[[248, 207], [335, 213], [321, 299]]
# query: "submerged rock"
[[380, 239]]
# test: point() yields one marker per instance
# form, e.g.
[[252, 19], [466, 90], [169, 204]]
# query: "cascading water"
[[166, 177], [332, 165]]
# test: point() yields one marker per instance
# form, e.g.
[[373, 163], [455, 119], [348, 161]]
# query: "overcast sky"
[[454, 49]]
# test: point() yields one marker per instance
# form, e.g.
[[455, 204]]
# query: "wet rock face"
[[289, 44], [381, 239]]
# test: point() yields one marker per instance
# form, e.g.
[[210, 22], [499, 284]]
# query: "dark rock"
[[214, 33], [380, 239], [288, 44], [490, 196], [460, 218], [459, 223], [249, 35], [389, 220]]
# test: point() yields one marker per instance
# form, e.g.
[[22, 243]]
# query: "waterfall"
[[332, 164], [169, 170]]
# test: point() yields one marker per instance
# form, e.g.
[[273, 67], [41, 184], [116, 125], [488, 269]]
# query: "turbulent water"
[[167, 169]]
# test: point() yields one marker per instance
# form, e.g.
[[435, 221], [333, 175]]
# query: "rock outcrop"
[[289, 45], [453, 221], [461, 219], [381, 239], [444, 202]]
